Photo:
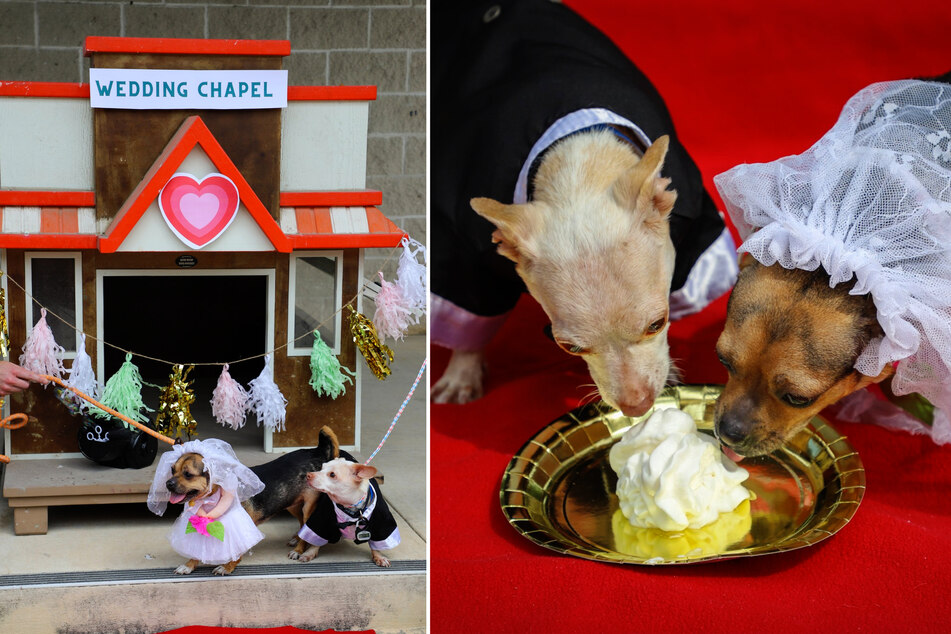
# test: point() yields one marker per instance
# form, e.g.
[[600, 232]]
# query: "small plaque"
[[186, 261]]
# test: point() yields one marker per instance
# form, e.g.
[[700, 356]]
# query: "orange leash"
[[5, 423]]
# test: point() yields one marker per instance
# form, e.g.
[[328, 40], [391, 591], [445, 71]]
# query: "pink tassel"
[[392, 316], [229, 401], [41, 353]]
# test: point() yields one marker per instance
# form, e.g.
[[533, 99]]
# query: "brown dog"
[[285, 487], [789, 344], [190, 483]]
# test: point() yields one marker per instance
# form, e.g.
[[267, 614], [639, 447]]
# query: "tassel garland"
[[174, 418], [327, 376], [229, 401], [392, 316], [4, 330], [411, 276], [82, 377], [266, 401], [123, 393], [378, 356], [41, 353]]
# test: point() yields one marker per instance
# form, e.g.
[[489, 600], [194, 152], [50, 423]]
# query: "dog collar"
[[357, 509]]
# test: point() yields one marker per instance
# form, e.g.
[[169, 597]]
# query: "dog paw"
[[183, 570], [293, 555], [222, 570], [380, 560], [462, 381]]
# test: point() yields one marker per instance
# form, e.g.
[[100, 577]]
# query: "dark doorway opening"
[[188, 319]]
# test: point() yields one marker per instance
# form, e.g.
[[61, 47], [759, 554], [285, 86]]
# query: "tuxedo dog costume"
[[370, 521], [509, 80]]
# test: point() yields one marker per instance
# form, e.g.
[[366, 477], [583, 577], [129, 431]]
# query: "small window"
[[314, 300], [54, 282]]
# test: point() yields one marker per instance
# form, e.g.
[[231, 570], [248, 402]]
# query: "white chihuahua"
[[531, 104], [593, 247]]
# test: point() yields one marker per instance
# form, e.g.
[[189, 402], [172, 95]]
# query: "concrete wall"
[[379, 42]]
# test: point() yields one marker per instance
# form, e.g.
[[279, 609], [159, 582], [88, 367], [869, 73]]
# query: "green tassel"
[[123, 393], [327, 376]]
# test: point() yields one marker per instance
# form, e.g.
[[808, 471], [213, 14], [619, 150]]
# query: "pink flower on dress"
[[200, 524]]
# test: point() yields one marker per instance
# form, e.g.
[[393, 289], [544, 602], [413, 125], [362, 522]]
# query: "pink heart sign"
[[199, 211]]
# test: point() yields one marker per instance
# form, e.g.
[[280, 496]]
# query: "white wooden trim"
[[269, 323], [324, 145], [47, 144], [359, 362], [6, 402], [77, 258], [295, 349]]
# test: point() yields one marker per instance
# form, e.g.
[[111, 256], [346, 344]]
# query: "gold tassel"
[[4, 332], [378, 356], [174, 418]]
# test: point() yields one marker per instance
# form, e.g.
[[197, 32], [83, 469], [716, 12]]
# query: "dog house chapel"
[[187, 205]]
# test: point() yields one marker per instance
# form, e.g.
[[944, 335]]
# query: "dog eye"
[[572, 348], [797, 401], [656, 326], [726, 364], [332, 475]]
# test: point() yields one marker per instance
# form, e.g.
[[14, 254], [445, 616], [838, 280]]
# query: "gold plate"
[[558, 490]]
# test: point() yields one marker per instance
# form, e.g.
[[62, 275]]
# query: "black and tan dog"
[[789, 344], [285, 487]]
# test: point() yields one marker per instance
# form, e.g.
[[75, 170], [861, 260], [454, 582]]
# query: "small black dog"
[[285, 481]]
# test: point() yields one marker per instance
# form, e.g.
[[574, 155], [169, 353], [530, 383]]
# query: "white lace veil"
[[871, 199], [222, 465]]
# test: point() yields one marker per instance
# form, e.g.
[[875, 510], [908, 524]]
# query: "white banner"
[[148, 89]]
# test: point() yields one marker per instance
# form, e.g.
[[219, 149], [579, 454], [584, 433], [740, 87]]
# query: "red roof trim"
[[48, 241], [193, 131], [360, 198], [184, 46], [346, 241], [81, 91], [331, 93], [43, 89], [18, 198]]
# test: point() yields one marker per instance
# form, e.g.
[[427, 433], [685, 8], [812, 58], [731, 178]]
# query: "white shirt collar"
[[569, 124]]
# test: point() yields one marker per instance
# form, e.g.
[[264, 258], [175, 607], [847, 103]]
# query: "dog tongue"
[[175, 498], [732, 455]]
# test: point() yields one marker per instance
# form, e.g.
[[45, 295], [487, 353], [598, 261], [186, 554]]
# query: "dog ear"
[[643, 189], [364, 472], [515, 227]]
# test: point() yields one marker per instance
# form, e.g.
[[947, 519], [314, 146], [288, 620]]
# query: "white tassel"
[[82, 377], [41, 353], [229, 401], [411, 276], [392, 317], [266, 401]]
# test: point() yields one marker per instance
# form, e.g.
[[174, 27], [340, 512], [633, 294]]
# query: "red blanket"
[[746, 81]]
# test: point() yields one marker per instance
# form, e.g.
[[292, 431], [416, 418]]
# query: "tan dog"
[[285, 480], [189, 484], [594, 248], [789, 344]]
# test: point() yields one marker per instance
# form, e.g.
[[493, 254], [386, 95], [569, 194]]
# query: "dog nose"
[[734, 429], [636, 409], [170, 484]]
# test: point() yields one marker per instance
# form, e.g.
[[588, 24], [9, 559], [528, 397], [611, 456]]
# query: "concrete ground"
[[125, 544]]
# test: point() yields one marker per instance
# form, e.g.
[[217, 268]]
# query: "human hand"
[[15, 378]]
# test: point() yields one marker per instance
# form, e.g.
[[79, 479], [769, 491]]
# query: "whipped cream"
[[672, 477]]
